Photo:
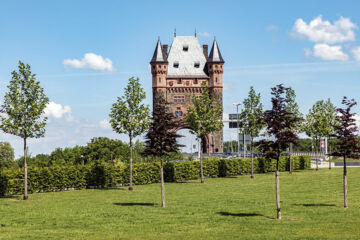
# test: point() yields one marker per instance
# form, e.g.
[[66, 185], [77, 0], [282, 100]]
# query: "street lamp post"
[[238, 129]]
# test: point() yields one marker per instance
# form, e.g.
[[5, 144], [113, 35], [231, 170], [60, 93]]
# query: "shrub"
[[102, 174]]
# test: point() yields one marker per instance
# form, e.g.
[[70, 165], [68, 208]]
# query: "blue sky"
[[264, 43]]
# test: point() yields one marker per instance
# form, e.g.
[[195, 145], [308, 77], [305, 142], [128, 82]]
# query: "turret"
[[215, 64], [159, 67]]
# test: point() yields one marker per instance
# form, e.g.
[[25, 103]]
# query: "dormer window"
[[176, 64], [185, 48], [197, 64]]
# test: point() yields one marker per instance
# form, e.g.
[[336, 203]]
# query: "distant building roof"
[[186, 58], [215, 55], [159, 55]]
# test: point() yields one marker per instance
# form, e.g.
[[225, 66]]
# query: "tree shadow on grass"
[[315, 205], [134, 204], [12, 197], [243, 214]]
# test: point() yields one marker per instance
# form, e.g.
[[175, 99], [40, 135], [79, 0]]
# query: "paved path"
[[334, 164]]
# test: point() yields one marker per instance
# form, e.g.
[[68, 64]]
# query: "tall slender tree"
[[279, 124], [320, 122], [346, 133], [251, 120], [161, 137], [131, 116], [292, 107], [23, 107], [203, 118]]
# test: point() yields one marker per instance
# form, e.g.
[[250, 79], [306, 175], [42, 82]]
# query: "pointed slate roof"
[[159, 55], [215, 55], [186, 52]]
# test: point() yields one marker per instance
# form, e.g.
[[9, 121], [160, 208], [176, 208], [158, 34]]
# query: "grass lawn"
[[222, 208]]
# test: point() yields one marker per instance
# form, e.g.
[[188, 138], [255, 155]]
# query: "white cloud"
[[324, 31], [105, 124], [58, 111], [356, 53], [272, 28], [327, 52], [203, 34], [91, 61], [307, 52]]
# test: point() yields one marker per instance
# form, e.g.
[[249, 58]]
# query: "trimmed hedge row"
[[100, 175]]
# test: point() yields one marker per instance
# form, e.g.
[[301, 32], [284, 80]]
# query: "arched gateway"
[[178, 73]]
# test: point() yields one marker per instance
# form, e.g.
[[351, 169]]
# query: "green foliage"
[[251, 115], [204, 116], [98, 149], [23, 105], [129, 115], [6, 155], [101, 174], [320, 120]]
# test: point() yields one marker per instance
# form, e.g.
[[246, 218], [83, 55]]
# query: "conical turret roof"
[[159, 55], [215, 55]]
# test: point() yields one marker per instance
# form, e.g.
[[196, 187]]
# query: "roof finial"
[[175, 32], [214, 38], [195, 32], [158, 38]]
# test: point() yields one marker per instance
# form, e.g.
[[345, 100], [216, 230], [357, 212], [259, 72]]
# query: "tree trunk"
[[162, 184], [345, 184], [25, 173], [290, 160], [201, 162], [277, 185], [317, 160], [252, 159], [130, 167], [330, 159]]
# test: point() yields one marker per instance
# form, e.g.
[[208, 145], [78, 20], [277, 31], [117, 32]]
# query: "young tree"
[[23, 107], [203, 118], [161, 137], [292, 107], [130, 116], [320, 122], [346, 133], [279, 124], [251, 120]]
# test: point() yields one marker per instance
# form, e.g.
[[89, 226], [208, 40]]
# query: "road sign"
[[247, 138], [234, 116]]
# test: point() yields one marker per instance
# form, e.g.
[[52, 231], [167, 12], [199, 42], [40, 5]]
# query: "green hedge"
[[100, 174]]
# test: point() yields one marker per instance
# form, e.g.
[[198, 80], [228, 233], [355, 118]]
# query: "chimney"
[[165, 49], [205, 51]]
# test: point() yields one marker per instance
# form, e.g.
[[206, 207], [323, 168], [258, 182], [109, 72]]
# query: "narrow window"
[[216, 80], [176, 64], [197, 64], [159, 79], [185, 48], [179, 81], [195, 81]]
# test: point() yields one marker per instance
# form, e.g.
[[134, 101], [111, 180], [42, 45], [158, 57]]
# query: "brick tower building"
[[178, 74]]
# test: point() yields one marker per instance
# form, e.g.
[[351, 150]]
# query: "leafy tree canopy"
[[204, 116]]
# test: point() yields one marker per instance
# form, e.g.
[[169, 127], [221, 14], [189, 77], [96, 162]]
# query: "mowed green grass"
[[222, 208]]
